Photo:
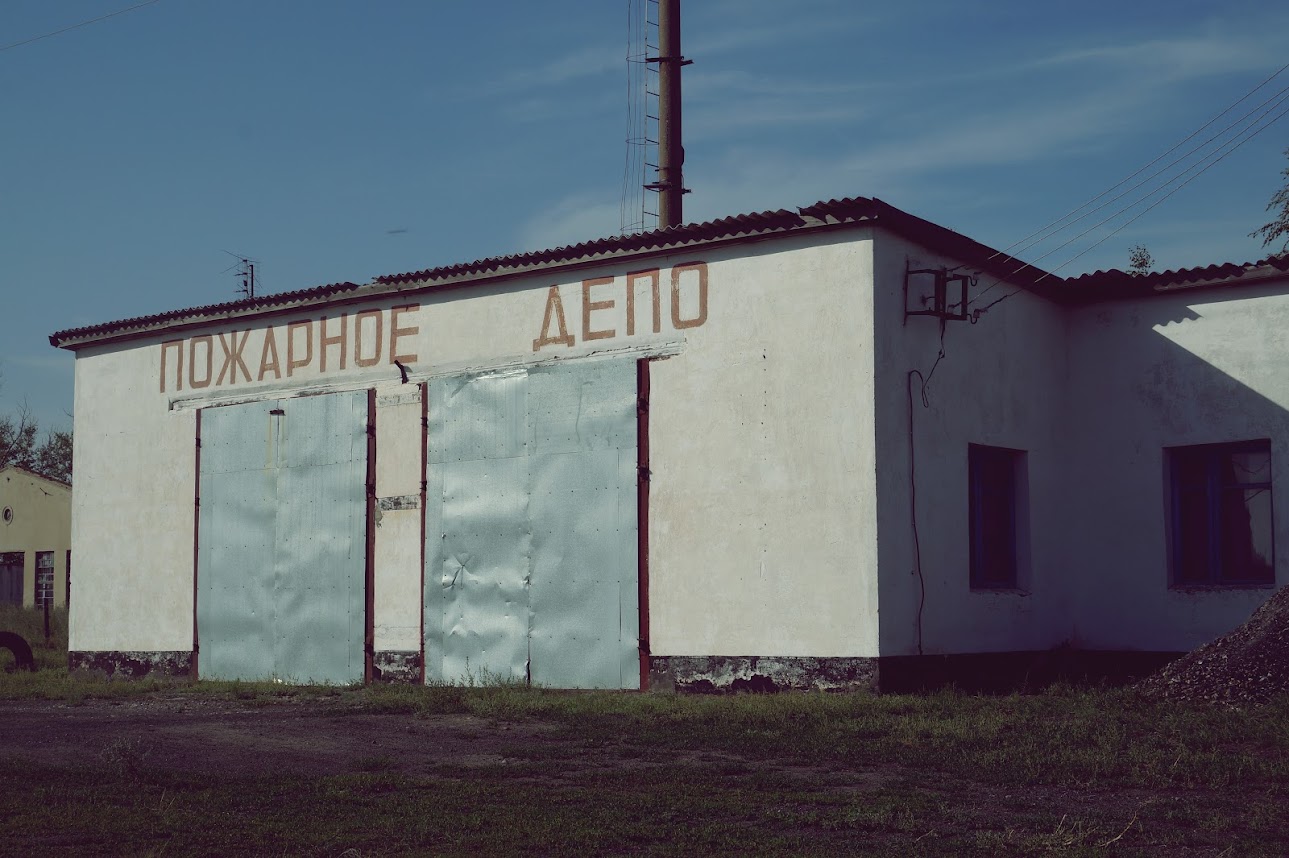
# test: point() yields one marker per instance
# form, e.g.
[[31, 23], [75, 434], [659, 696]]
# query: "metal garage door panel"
[[587, 405], [579, 625], [281, 542], [477, 561], [478, 417], [320, 550], [530, 524], [237, 523], [628, 530], [584, 604], [435, 593]]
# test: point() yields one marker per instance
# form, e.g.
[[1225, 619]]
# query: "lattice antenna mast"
[[246, 274], [638, 211]]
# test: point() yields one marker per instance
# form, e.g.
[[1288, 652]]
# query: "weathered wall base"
[[397, 666], [764, 674], [1005, 672], [132, 665], [995, 672]]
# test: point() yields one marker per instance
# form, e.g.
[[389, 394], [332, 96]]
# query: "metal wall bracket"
[[948, 296]]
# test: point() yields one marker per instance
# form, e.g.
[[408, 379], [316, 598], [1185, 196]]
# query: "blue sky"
[[338, 140]]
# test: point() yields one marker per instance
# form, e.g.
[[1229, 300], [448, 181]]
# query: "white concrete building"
[[758, 450]]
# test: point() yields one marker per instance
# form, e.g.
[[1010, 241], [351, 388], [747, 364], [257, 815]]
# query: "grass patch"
[[1076, 772], [1076, 738], [1072, 771], [48, 653]]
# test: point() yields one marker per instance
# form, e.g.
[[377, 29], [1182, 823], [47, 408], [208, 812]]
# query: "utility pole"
[[671, 154]]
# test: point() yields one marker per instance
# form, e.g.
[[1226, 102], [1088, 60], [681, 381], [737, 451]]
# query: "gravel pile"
[[1246, 667]]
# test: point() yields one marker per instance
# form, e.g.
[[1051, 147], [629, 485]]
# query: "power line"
[[1278, 98], [1170, 186], [1126, 179], [78, 26], [1236, 144], [1231, 145]]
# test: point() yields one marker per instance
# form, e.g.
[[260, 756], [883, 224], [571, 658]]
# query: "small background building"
[[35, 538]]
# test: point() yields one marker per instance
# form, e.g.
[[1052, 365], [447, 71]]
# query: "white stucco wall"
[[762, 523], [399, 454], [1187, 368], [762, 514], [132, 510], [1000, 384]]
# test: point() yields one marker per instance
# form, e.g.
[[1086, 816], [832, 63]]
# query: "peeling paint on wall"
[[132, 665], [762, 674], [401, 502], [396, 666]]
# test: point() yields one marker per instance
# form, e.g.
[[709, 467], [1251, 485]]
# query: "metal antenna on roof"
[[245, 272]]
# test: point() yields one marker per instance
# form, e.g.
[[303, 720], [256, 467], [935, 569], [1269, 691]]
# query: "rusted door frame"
[[642, 512], [369, 582], [196, 535]]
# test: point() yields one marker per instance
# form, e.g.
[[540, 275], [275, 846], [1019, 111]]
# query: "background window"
[[1221, 514], [44, 579], [994, 478]]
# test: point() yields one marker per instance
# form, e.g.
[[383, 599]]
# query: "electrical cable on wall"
[[913, 486]]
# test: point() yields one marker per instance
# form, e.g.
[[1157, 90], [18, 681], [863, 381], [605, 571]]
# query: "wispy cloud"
[[924, 136], [786, 23], [579, 217], [729, 119], [590, 61]]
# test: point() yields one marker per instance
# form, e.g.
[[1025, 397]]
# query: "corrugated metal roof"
[[1101, 285], [159, 321], [828, 214]]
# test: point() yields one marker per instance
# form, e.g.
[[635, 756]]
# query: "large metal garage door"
[[281, 542], [532, 553]]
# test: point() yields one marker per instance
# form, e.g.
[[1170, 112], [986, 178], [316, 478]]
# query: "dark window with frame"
[[994, 475], [11, 567], [44, 579], [1221, 515]]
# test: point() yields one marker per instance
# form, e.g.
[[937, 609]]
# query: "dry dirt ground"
[[230, 740]]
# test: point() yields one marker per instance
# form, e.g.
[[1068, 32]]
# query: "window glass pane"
[[1190, 469], [996, 546], [44, 578], [1192, 543], [1246, 536], [1245, 466], [11, 563], [993, 513]]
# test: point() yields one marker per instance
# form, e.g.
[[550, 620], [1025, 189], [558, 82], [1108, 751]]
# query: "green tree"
[[1279, 226], [19, 445]]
